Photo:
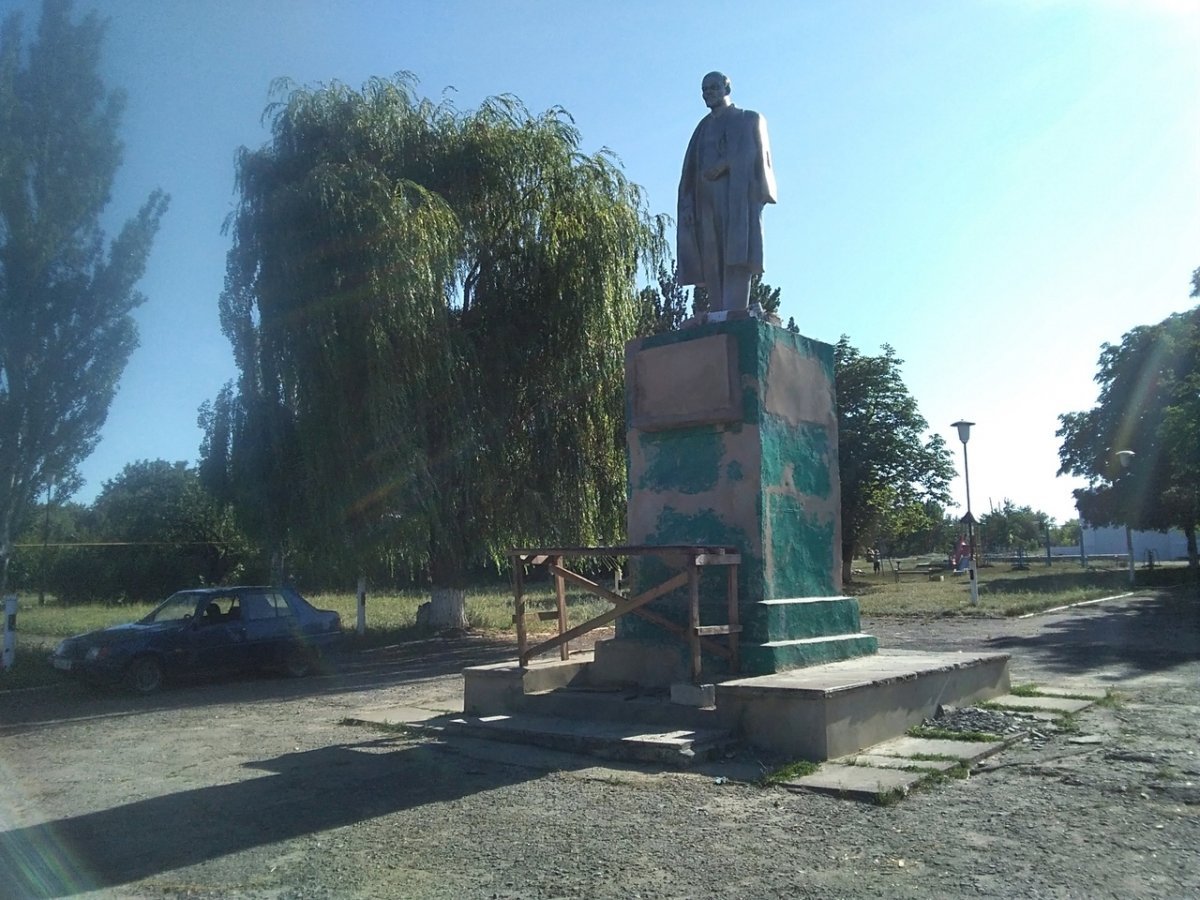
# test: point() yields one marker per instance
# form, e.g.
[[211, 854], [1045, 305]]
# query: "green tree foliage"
[[428, 309], [1149, 385], [152, 530], [936, 534], [663, 308], [1066, 535], [66, 329], [1012, 527], [163, 533], [763, 295], [39, 557], [890, 471]]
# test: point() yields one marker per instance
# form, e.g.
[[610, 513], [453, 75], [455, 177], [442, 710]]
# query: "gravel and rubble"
[[253, 789]]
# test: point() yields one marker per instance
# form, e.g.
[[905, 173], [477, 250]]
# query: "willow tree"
[[432, 304], [66, 329]]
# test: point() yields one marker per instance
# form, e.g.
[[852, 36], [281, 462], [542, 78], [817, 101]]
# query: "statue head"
[[715, 89]]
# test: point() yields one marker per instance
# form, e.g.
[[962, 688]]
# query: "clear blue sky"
[[993, 187]]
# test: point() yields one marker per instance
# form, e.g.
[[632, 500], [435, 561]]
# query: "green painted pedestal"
[[732, 440]]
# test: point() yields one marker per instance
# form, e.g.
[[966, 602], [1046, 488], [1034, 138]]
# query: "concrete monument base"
[[818, 712]]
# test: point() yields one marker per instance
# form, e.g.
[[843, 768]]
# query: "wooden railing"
[[686, 557]]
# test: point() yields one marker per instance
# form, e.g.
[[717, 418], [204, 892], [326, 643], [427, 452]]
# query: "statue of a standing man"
[[727, 178]]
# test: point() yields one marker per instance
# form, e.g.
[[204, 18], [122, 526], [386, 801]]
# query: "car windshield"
[[175, 608]]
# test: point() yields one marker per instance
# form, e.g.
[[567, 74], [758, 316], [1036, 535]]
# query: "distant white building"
[[1111, 541]]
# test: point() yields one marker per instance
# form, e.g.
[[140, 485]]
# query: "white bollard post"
[[974, 584], [10, 632]]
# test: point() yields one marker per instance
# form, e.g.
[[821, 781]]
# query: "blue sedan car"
[[209, 630]]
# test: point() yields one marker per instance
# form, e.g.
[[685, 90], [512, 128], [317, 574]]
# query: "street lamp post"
[[1126, 459], [964, 435]]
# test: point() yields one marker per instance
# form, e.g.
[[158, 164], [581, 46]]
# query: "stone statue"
[[727, 178]]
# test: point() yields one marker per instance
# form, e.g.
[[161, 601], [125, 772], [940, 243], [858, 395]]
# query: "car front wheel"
[[144, 675]]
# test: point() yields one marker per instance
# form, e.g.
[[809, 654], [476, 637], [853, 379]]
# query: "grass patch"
[[391, 615], [791, 771], [1003, 591], [1025, 690], [55, 620], [1068, 724], [892, 796], [933, 757], [945, 734]]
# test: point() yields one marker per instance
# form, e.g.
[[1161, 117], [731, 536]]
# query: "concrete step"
[[623, 741], [649, 708], [822, 712]]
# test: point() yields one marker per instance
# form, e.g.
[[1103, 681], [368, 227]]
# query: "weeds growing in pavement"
[[945, 734]]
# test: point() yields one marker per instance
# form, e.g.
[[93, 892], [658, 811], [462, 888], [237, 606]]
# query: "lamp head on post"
[[964, 435], [1125, 457]]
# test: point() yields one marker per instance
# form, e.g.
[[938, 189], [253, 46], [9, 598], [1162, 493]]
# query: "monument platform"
[[818, 712]]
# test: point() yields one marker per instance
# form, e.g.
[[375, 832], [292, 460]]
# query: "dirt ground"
[[253, 788]]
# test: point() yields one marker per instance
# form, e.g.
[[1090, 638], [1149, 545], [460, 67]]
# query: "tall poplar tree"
[[428, 309], [66, 330], [890, 470]]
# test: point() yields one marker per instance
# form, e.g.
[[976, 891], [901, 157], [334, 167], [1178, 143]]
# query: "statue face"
[[715, 90]]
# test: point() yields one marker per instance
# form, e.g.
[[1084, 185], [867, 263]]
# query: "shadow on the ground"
[[305, 793], [1150, 635], [349, 672]]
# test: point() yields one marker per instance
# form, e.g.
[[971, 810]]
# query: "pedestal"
[[732, 440]]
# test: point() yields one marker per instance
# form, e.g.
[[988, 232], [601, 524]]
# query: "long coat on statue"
[[751, 185]]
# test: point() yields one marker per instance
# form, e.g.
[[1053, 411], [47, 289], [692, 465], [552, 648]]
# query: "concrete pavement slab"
[[967, 751], [878, 761], [857, 782], [1060, 705]]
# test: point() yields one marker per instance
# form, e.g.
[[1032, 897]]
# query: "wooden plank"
[[731, 592], [693, 637], [709, 630], [519, 613], [622, 608], [681, 632], [646, 596], [560, 596], [622, 550], [718, 559]]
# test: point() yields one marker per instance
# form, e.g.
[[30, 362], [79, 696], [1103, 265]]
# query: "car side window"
[[280, 604], [256, 606]]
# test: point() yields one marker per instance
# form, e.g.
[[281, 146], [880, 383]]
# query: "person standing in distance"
[[727, 179]]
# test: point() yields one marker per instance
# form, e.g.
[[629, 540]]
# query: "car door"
[[215, 643], [266, 630]]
